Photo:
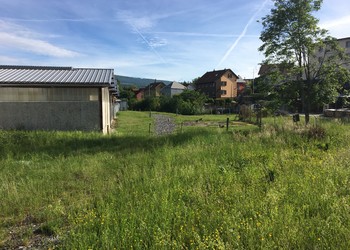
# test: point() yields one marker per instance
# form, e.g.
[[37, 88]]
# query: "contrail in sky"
[[149, 44], [241, 35]]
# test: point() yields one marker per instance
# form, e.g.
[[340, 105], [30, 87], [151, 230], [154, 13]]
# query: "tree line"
[[189, 102]]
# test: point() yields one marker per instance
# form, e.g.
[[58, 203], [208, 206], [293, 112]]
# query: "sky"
[[176, 40]]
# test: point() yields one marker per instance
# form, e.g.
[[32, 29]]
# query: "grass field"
[[284, 187]]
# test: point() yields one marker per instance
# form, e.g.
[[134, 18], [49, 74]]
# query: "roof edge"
[[35, 67]]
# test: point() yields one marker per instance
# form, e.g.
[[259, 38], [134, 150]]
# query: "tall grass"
[[281, 188]]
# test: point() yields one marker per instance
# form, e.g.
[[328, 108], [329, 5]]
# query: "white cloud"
[[334, 23], [336, 26], [34, 45], [4, 60], [20, 38], [136, 22], [334, 16]]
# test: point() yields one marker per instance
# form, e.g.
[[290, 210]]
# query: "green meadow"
[[284, 186]]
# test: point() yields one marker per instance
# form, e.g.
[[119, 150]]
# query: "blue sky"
[[170, 40]]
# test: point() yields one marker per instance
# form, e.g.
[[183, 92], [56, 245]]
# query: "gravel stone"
[[163, 124]]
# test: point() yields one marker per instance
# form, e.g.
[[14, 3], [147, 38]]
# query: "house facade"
[[153, 89], [140, 94], [241, 83], [218, 84], [172, 89], [56, 98], [343, 43]]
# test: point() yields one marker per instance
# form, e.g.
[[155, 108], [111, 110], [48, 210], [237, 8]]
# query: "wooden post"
[[227, 123]]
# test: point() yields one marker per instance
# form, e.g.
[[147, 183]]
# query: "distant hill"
[[138, 82]]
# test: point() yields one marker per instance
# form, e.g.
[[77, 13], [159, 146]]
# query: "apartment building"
[[218, 84], [343, 43]]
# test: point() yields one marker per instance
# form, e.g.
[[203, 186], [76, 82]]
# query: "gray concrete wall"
[[85, 116]]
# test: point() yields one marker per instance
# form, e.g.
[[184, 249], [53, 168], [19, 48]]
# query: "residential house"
[[319, 55], [56, 98], [343, 43], [241, 83], [218, 84], [172, 89], [140, 94], [153, 89]]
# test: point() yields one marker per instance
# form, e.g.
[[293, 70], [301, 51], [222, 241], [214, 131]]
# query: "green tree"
[[195, 81], [126, 92], [168, 104], [190, 102], [291, 36], [147, 104]]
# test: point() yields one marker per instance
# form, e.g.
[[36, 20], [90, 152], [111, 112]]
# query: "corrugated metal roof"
[[38, 75]]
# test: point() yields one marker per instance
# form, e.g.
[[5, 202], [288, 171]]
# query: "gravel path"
[[163, 124]]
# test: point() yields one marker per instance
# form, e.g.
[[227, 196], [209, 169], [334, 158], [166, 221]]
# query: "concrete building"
[[56, 98], [343, 43]]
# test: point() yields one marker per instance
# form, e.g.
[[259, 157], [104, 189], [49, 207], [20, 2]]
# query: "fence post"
[[227, 123]]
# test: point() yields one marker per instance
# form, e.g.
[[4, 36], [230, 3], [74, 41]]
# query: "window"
[[223, 92], [347, 44], [223, 83]]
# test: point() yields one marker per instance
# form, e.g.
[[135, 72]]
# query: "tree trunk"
[[305, 102], [307, 112], [306, 109]]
